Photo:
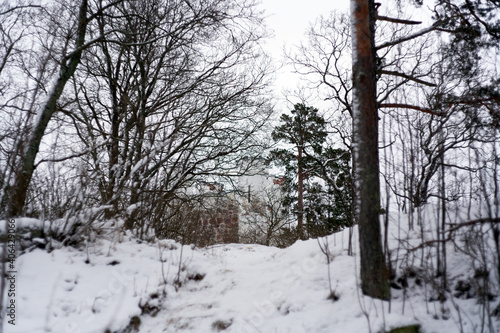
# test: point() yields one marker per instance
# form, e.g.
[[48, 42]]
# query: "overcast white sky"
[[289, 20]]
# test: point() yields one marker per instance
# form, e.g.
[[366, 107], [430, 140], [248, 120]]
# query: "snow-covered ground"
[[116, 283]]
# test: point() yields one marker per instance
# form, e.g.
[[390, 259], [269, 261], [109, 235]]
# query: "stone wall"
[[219, 225]]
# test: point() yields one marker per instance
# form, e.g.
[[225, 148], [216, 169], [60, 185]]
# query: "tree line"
[[120, 109]]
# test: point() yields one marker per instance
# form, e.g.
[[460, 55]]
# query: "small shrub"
[[286, 237], [333, 296], [406, 329], [221, 325], [196, 277], [133, 326]]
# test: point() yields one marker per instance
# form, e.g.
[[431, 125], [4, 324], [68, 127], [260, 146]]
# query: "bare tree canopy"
[[154, 96]]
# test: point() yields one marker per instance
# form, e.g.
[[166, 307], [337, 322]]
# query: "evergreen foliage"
[[325, 171]]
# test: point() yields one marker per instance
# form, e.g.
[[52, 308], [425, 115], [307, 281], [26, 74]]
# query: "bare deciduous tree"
[[174, 97], [61, 46]]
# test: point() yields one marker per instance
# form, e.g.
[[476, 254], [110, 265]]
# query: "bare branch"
[[409, 37], [396, 20], [408, 77], [19, 7], [456, 226], [412, 107], [62, 159], [430, 243]]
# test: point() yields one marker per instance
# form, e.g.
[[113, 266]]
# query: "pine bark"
[[300, 201], [374, 281]]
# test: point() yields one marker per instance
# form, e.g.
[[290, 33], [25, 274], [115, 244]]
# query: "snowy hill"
[[124, 285]]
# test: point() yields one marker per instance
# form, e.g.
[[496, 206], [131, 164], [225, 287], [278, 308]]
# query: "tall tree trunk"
[[366, 164], [26, 166], [300, 201]]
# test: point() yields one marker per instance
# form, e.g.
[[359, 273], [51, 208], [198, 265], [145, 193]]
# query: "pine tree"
[[366, 162], [317, 178]]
